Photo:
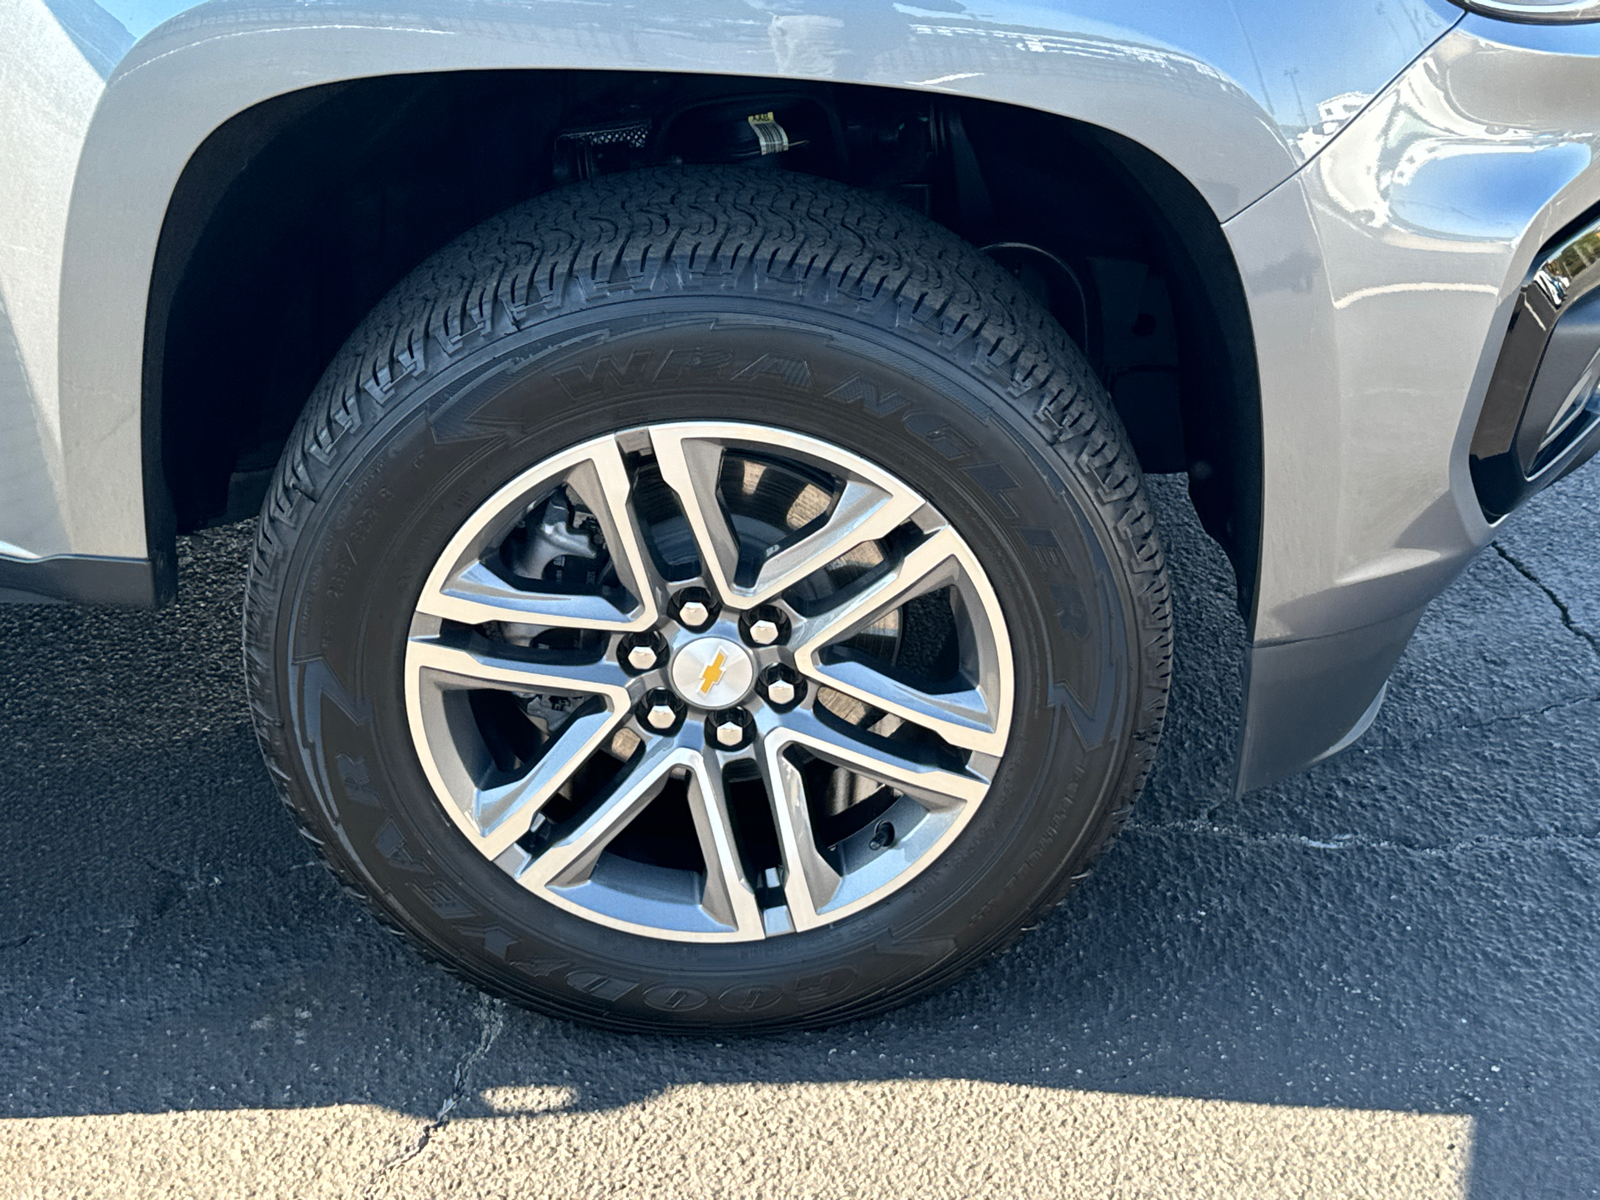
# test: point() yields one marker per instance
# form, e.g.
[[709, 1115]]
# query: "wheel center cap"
[[713, 672]]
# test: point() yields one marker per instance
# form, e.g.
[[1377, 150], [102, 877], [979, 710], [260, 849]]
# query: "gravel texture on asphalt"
[[1380, 978]]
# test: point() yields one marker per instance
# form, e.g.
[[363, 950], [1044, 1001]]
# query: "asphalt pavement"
[[1381, 978]]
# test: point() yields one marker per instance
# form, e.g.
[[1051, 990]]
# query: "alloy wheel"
[[709, 681]]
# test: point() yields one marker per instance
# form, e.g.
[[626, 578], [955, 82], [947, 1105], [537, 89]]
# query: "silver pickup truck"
[[704, 576]]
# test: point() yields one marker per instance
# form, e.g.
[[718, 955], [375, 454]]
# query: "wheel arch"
[[188, 110]]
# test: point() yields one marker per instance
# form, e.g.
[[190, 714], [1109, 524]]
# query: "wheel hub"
[[712, 672]]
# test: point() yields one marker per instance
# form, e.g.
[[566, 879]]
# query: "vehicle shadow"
[[1409, 928]]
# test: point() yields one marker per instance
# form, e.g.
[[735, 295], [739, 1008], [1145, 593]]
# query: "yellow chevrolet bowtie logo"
[[712, 675]]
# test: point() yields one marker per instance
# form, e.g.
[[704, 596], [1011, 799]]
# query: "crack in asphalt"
[[1360, 841], [1379, 747], [492, 1022], [1532, 577]]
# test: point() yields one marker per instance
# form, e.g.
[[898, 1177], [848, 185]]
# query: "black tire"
[[883, 333]]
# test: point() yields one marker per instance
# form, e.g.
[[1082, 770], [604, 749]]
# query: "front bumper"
[[1382, 281]]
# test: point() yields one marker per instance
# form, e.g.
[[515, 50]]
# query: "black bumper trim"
[[1547, 359]]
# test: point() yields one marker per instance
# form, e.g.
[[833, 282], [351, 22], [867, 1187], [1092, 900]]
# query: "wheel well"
[[294, 218]]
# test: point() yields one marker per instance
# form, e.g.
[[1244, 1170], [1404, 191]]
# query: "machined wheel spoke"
[[463, 587], [476, 594], [934, 787], [604, 486], [972, 718], [965, 719], [505, 812], [930, 564], [468, 667], [728, 896], [862, 513], [567, 862], [691, 464], [497, 816], [810, 880]]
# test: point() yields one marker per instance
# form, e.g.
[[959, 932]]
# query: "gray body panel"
[[1379, 276], [1381, 280]]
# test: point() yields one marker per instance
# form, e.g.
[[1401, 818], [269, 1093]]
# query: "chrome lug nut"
[[780, 685], [730, 728], [660, 710], [640, 652], [695, 608], [765, 626]]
